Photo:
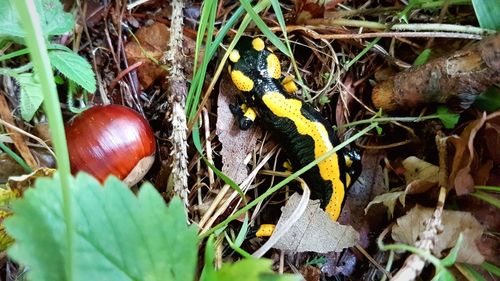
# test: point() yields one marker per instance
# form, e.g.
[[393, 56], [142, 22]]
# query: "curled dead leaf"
[[420, 175], [471, 162], [314, 231]]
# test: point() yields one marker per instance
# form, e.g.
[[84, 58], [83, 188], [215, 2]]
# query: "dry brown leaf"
[[389, 200], [308, 9], [466, 162], [420, 175], [369, 184], [314, 231], [236, 143], [23, 182], [310, 273], [153, 40], [409, 226]]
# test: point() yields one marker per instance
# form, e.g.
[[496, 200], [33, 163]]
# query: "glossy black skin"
[[299, 148]]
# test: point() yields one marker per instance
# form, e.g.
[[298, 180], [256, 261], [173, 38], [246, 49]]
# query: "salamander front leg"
[[246, 115], [289, 84]]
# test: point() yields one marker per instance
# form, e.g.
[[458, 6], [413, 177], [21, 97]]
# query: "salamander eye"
[[258, 44], [234, 56]]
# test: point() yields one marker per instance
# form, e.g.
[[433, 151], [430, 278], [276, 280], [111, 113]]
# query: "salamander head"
[[249, 61]]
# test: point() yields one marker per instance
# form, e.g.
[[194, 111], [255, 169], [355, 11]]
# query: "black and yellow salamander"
[[303, 132]]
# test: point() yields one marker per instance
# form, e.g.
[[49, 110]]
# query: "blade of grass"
[[486, 198], [38, 50], [362, 53], [488, 188], [15, 157], [281, 21], [263, 27], [491, 268]]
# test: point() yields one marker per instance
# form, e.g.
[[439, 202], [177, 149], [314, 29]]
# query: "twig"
[[177, 98], [427, 239], [18, 140]]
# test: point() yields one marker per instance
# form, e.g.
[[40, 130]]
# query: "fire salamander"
[[305, 135]]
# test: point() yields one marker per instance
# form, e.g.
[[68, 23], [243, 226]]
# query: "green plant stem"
[[275, 188], [441, 27], [14, 54], [390, 119], [488, 188], [15, 157], [403, 26], [38, 50]]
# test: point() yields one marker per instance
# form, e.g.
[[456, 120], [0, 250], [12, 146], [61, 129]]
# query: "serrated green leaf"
[[31, 95], [9, 25], [251, 270], [74, 68], [487, 13], [118, 236], [449, 120], [53, 19]]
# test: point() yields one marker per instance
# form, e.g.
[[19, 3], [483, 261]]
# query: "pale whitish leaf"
[[487, 13], [74, 68], [31, 95], [454, 223], [389, 200], [53, 20], [118, 236], [314, 231]]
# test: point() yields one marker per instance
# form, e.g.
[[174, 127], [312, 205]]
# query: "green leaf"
[[451, 258], [9, 25], [493, 269], [53, 19], [423, 57], [264, 28], [74, 68], [449, 120], [208, 272], [251, 270], [487, 13], [489, 100], [118, 236], [31, 95]]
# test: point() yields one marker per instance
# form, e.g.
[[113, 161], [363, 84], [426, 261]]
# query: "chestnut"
[[111, 140]]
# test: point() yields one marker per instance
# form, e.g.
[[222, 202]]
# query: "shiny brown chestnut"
[[111, 140]]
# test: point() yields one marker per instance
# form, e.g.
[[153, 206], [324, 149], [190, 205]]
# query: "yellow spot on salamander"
[[234, 56], [258, 44], [242, 82], [289, 84], [265, 230], [273, 66], [250, 113], [328, 168]]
